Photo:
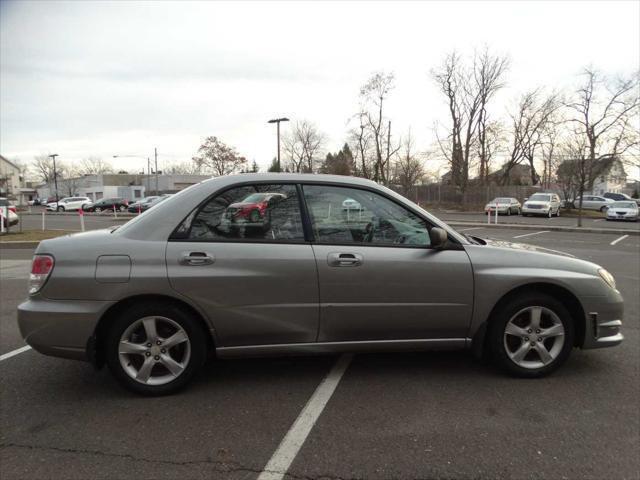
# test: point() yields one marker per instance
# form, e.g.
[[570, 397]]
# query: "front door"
[[243, 259], [379, 280]]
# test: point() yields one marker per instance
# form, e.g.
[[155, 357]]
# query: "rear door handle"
[[197, 258], [345, 259]]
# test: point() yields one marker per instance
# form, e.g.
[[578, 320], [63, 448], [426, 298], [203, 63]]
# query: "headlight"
[[607, 277]]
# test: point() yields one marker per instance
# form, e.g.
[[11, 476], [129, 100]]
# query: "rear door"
[[379, 280], [254, 277]]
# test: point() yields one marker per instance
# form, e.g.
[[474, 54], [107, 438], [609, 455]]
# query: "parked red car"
[[253, 207]]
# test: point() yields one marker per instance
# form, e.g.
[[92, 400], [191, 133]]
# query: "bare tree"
[[468, 92], [303, 146], [94, 166], [375, 126], [603, 110], [218, 158], [409, 167], [534, 115], [360, 138], [183, 168], [43, 167]]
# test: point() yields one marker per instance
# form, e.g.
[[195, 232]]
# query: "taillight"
[[40, 270]]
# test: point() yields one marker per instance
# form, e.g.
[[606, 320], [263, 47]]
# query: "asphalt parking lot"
[[410, 415]]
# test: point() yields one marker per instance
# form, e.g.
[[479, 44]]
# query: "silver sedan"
[[151, 299]]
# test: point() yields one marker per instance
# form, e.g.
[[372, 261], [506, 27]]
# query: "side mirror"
[[438, 237]]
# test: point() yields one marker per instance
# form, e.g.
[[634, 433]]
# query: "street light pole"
[[155, 151], [277, 121], [55, 176]]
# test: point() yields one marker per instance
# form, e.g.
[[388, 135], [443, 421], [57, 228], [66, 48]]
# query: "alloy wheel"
[[534, 337], [154, 350]]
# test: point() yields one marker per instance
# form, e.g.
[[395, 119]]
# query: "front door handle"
[[197, 258], [345, 259]]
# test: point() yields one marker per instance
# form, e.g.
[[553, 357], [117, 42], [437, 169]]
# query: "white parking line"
[[618, 239], [599, 220], [13, 353], [467, 229], [294, 439], [529, 234]]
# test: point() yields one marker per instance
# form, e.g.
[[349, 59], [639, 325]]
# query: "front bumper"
[[60, 328], [535, 211], [603, 320]]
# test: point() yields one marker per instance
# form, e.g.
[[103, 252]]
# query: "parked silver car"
[[504, 205], [547, 204], [593, 202], [153, 297]]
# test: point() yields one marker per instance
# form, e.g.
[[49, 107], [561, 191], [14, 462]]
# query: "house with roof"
[[609, 176], [12, 182]]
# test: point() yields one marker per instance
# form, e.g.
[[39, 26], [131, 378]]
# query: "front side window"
[[248, 213], [351, 216]]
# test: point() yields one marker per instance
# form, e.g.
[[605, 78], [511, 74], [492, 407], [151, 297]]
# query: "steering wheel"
[[370, 229], [400, 239]]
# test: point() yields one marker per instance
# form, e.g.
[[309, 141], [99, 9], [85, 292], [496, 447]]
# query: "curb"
[[549, 228]]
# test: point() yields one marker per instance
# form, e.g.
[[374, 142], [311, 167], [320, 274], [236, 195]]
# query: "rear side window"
[[342, 215], [249, 213]]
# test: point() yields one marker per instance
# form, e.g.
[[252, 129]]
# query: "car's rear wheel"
[[122, 208], [60, 209], [155, 350], [603, 209], [531, 336]]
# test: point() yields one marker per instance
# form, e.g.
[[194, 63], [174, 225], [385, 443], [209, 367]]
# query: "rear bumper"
[[60, 328], [604, 320]]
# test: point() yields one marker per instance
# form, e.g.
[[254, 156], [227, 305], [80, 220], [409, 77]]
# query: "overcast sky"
[[104, 78]]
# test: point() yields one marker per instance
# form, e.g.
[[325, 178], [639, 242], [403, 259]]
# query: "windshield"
[[538, 197], [623, 205]]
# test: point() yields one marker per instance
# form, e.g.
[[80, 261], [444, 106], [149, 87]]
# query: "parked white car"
[[626, 210], [505, 205], [547, 204], [69, 204]]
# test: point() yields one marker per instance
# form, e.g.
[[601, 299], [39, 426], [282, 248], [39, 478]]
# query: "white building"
[[130, 187], [611, 177]]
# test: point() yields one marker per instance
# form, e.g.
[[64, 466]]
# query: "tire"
[[98, 210], [603, 209], [505, 348], [550, 214], [122, 208], [60, 209], [558, 212], [254, 216], [509, 212], [188, 355]]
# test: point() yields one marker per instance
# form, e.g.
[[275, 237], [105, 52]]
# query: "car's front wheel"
[[122, 208], [531, 335], [155, 350], [60, 209]]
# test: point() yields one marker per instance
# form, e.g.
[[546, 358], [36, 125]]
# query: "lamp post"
[[277, 121], [55, 175]]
